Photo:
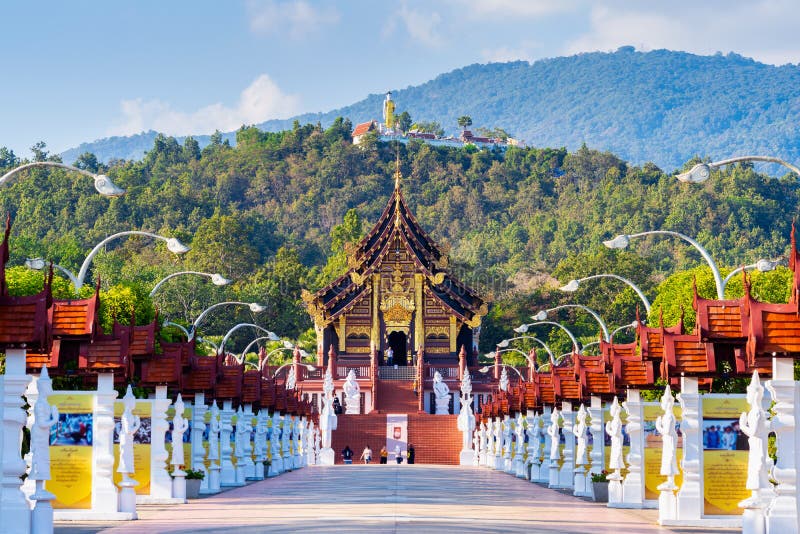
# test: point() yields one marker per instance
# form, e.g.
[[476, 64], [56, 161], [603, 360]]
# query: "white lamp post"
[[503, 344], [272, 336], [761, 265], [622, 241], [216, 279], [522, 329], [487, 368], [173, 245], [575, 283], [542, 315], [254, 307], [285, 365], [702, 171], [102, 183]]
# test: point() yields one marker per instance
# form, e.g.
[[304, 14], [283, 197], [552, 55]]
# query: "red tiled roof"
[[363, 128]]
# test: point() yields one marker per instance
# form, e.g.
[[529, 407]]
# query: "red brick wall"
[[396, 396], [436, 438]]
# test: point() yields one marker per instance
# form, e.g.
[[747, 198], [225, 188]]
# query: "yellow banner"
[[724, 478], [71, 451], [141, 462], [725, 453]]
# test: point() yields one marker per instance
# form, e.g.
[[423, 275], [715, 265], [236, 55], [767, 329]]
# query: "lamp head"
[[503, 344], [491, 354], [37, 264], [696, 175], [106, 187], [258, 308], [621, 241], [310, 367], [272, 336], [763, 265], [572, 286], [541, 316], [521, 329], [173, 245], [219, 280], [484, 369], [304, 354]]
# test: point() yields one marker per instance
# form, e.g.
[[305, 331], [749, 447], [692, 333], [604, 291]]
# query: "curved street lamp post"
[[173, 245], [702, 171], [216, 279], [522, 329], [542, 315], [573, 285], [102, 183]]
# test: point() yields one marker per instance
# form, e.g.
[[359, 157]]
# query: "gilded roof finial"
[[397, 174]]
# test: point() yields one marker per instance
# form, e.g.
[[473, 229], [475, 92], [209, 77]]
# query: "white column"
[[633, 485], [544, 468], [596, 430], [508, 429], [262, 420], [44, 417], [311, 458], [519, 453], [690, 496], [782, 515], [276, 467], [104, 493], [249, 465], [755, 426], [534, 445], [227, 476], [160, 481], [14, 509], [286, 453], [179, 426], [566, 476], [298, 442], [198, 427], [498, 444], [129, 425], [213, 485], [555, 442], [242, 435]]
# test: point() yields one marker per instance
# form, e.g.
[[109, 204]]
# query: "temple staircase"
[[396, 396]]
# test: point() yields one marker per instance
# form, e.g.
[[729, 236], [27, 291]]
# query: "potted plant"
[[193, 478], [600, 486]]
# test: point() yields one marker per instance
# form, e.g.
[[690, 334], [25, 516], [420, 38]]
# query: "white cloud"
[[504, 53], [260, 101], [297, 18], [763, 30], [514, 8], [422, 27]]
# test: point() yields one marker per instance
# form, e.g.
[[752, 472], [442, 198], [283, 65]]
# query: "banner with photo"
[[652, 449], [396, 434], [71, 450], [141, 444], [725, 452]]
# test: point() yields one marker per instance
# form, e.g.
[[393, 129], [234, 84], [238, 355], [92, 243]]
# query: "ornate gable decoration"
[[396, 228]]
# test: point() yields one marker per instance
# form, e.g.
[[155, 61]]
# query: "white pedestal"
[[227, 474], [566, 475], [467, 457], [690, 495], [127, 495], [105, 498], [327, 456], [782, 512], [14, 508], [42, 514], [160, 480], [198, 427], [633, 491]]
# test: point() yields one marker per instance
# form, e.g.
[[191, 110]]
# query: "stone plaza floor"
[[387, 498]]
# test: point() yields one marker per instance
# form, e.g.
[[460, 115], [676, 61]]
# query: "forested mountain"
[[270, 213], [660, 106]]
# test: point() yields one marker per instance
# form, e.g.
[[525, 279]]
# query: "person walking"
[[366, 455], [410, 454], [347, 454], [398, 454], [384, 455]]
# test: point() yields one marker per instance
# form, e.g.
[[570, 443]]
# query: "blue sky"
[[82, 70]]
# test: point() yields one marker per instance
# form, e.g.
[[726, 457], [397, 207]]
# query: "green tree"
[[428, 127], [342, 235], [465, 121], [8, 158], [404, 121], [88, 162], [222, 244]]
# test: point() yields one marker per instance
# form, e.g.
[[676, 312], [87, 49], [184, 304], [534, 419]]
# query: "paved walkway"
[[387, 498]]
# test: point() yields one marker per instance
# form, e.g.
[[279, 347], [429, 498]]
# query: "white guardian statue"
[[442, 392], [352, 394]]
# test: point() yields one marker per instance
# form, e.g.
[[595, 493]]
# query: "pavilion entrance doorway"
[[398, 343]]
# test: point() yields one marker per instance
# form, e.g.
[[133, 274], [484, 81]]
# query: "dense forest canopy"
[[275, 211], [661, 106]]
